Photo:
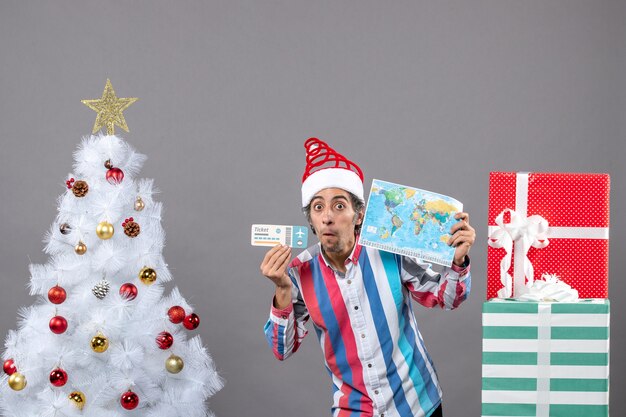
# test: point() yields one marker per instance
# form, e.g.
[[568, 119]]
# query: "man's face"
[[334, 219]]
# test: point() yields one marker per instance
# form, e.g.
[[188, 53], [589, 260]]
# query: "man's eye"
[[317, 207], [340, 206]]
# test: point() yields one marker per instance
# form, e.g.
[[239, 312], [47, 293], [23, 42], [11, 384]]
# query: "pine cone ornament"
[[101, 289], [131, 227], [80, 188]]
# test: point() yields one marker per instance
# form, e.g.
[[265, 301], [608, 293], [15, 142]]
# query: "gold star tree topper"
[[109, 109]]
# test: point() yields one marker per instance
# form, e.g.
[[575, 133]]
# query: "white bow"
[[526, 232], [549, 288]]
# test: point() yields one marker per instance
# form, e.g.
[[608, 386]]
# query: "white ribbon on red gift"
[[525, 232], [522, 233]]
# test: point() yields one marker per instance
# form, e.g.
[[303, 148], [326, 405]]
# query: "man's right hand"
[[274, 267]]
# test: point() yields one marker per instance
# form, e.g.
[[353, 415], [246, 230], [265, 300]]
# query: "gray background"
[[431, 94]]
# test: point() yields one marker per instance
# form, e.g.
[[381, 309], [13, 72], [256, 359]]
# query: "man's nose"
[[327, 217]]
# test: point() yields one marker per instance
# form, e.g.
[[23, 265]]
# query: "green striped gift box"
[[545, 359]]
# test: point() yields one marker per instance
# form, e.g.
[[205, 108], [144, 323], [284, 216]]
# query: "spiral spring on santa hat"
[[320, 156]]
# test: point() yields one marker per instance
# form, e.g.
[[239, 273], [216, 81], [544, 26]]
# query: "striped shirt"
[[365, 325]]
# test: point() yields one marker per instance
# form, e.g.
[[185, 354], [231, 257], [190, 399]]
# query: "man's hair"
[[357, 205]]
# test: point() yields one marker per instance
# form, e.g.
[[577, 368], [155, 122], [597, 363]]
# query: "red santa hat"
[[326, 168]]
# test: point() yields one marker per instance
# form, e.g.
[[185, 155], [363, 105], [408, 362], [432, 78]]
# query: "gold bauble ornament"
[[104, 230], [174, 364], [99, 343], [147, 275], [80, 248], [139, 204], [78, 398], [17, 381]]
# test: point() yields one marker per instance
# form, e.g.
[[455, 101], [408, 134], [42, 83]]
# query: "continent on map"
[[440, 209], [397, 223], [437, 211], [393, 198]]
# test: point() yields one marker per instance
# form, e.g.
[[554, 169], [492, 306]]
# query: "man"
[[359, 298]]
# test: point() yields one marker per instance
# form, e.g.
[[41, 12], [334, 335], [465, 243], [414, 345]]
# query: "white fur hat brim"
[[331, 178]]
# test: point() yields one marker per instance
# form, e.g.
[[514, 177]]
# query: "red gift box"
[[560, 219]]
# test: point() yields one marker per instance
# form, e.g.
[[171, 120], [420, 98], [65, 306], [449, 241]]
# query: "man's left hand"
[[463, 237]]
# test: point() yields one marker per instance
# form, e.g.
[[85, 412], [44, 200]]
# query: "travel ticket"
[[272, 235]]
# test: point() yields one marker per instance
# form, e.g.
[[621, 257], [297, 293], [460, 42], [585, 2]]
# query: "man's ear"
[[360, 216]]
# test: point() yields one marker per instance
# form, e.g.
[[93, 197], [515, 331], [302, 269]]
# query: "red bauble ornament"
[[129, 400], [58, 377], [128, 291], [115, 176], [192, 321], [176, 314], [165, 340], [58, 324], [56, 294], [9, 367]]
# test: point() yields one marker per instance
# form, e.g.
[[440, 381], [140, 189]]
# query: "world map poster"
[[409, 221]]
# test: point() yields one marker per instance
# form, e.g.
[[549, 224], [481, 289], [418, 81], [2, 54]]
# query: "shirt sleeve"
[[447, 289], [285, 329]]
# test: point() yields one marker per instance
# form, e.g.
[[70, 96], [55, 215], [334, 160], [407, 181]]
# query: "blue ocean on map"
[[409, 221]]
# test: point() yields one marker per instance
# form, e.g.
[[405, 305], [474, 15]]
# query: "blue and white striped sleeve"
[[447, 289]]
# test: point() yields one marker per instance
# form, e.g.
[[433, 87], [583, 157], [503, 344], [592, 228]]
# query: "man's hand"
[[463, 237], [274, 267]]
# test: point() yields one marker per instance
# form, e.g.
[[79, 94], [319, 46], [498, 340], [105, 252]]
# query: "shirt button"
[[356, 307], [349, 281], [362, 335], [284, 317], [376, 392], [369, 365]]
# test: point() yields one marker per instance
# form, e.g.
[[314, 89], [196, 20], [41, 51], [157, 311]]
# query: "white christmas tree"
[[102, 339]]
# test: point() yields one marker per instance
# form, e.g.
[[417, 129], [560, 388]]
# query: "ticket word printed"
[[272, 235]]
